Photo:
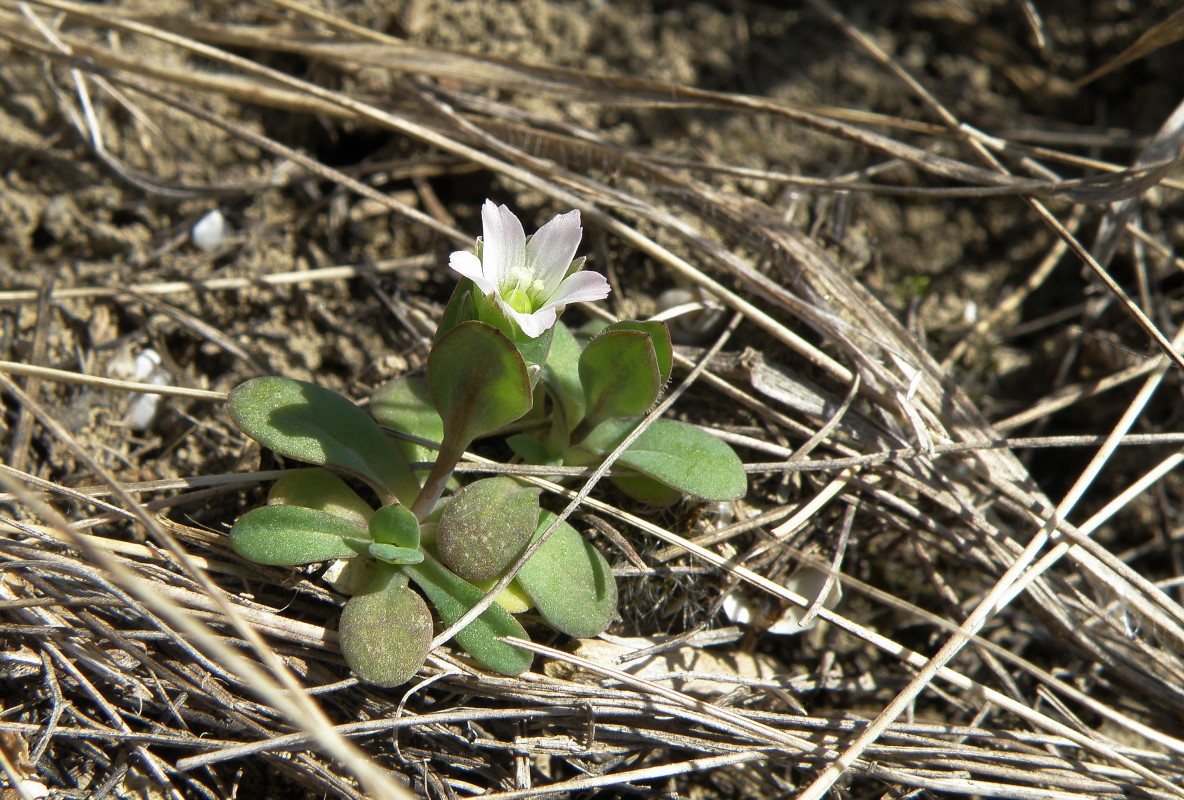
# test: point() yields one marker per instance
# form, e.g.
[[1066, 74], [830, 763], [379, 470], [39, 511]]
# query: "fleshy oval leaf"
[[460, 307], [486, 526], [512, 598], [393, 554], [534, 353], [287, 536], [659, 335], [395, 524], [350, 575], [405, 404], [570, 582], [530, 449], [677, 454], [620, 374], [561, 374], [312, 424], [321, 490], [533, 350], [452, 597], [385, 630], [647, 489], [478, 382]]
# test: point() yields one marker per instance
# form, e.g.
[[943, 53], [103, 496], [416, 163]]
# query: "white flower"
[[528, 279]]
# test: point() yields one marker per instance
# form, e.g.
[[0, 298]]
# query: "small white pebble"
[[725, 513], [808, 582], [692, 315], [208, 233], [142, 408], [146, 363], [34, 790], [737, 610]]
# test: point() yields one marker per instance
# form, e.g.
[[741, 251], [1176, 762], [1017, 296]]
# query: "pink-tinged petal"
[[503, 251], [550, 251], [469, 266], [534, 324], [580, 287]]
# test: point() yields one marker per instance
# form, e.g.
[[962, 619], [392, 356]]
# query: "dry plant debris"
[[950, 397]]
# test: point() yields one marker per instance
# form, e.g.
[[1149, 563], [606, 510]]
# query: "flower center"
[[524, 295]]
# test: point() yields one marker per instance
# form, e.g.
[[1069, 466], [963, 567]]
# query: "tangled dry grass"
[[993, 642]]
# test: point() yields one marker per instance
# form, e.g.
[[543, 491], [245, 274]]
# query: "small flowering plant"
[[524, 281], [500, 356]]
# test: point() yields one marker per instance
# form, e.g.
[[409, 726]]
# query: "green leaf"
[[591, 329], [286, 536], [569, 581], [393, 554], [478, 382], [321, 490], [452, 597], [561, 375], [512, 598], [312, 424], [485, 527], [530, 449], [659, 335], [396, 535], [677, 454], [395, 525], [647, 490], [620, 374], [535, 351], [405, 404], [460, 307], [385, 631], [350, 575]]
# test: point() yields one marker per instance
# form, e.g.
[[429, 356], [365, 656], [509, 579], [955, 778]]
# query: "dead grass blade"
[[1170, 31]]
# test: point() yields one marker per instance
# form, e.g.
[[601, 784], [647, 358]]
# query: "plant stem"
[[437, 479]]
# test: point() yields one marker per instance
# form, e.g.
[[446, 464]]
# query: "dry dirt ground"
[[718, 133]]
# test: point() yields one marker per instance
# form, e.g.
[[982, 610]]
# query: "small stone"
[[208, 233], [146, 367], [692, 315]]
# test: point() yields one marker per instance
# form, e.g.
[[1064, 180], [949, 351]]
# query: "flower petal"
[[550, 251], [580, 287], [469, 266], [503, 251], [534, 324]]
